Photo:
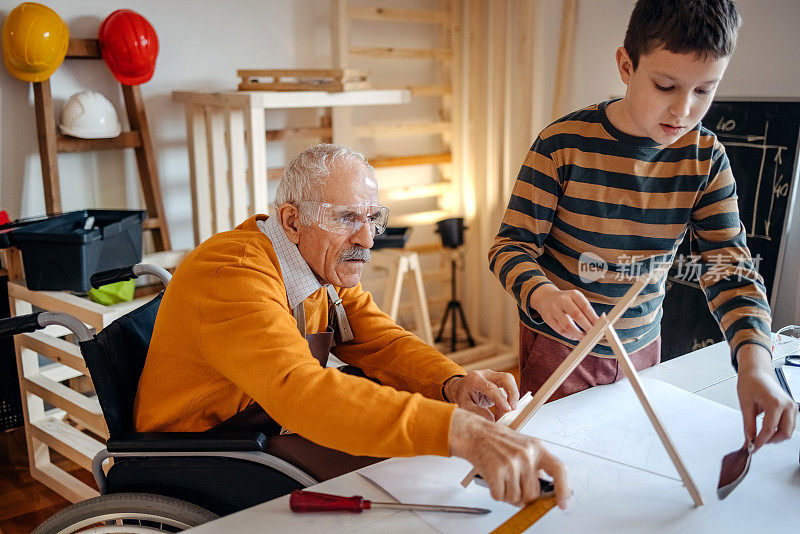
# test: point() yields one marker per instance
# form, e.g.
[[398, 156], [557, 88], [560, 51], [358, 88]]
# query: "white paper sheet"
[[621, 477]]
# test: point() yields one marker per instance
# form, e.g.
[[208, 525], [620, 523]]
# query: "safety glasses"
[[347, 219]]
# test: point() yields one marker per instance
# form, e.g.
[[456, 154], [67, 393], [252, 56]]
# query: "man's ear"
[[289, 217], [624, 65]]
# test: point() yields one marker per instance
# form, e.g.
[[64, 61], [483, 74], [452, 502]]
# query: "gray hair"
[[304, 176]]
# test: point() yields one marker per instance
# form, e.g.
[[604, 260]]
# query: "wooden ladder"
[[345, 53], [138, 138]]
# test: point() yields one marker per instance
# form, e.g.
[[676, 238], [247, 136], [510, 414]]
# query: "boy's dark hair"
[[707, 28]]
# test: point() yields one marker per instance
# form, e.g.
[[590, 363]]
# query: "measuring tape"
[[526, 517]]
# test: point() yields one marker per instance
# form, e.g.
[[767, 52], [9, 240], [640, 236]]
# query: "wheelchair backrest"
[[115, 359]]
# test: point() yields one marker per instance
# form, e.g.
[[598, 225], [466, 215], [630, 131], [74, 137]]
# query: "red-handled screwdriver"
[[309, 501]]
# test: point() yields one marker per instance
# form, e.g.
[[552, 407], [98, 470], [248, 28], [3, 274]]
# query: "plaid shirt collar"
[[298, 278]]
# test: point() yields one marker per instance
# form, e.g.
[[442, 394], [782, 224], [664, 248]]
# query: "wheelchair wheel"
[[128, 513]]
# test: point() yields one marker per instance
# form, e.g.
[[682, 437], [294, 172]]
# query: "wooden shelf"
[[399, 15], [67, 143], [403, 128], [83, 49], [294, 99], [91, 313], [299, 133], [442, 54], [419, 159]]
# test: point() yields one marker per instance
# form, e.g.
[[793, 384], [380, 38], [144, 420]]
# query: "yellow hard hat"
[[35, 41]]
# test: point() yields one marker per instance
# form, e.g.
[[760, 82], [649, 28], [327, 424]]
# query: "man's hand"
[[481, 389], [564, 310], [508, 461], [759, 392]]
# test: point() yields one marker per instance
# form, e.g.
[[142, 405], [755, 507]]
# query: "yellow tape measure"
[[526, 517]]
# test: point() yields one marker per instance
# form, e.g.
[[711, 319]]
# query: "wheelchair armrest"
[[145, 442]]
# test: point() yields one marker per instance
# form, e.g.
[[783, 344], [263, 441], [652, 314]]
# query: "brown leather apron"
[[320, 462]]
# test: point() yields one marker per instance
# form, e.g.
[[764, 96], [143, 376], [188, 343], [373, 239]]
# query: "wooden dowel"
[[630, 371], [556, 379], [574, 359]]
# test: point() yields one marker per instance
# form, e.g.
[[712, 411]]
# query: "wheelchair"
[[164, 481]]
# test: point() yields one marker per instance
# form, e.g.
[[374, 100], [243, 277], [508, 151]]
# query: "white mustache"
[[356, 253]]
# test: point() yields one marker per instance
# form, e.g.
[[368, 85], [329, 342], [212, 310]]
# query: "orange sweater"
[[225, 336]]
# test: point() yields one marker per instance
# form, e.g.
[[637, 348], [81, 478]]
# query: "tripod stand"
[[453, 310]]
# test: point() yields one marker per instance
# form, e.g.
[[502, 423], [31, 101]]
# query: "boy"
[[608, 192]]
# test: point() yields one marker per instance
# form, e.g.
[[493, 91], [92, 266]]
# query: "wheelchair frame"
[[153, 458]]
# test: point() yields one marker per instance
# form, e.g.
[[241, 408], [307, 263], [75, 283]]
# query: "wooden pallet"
[[331, 80]]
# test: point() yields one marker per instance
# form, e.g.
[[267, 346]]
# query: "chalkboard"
[[761, 139]]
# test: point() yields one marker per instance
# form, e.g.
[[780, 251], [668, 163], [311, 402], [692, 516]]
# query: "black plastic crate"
[[10, 400], [393, 237], [59, 254]]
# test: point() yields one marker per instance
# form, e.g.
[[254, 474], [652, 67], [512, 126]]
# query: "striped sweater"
[[593, 207]]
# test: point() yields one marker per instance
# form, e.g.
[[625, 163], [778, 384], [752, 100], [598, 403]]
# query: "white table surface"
[[706, 372]]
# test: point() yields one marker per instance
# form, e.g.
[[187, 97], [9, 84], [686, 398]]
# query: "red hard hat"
[[129, 45]]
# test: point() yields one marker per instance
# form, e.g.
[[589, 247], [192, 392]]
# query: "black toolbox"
[[59, 253]]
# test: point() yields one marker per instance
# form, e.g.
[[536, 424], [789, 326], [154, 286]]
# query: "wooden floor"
[[24, 502]]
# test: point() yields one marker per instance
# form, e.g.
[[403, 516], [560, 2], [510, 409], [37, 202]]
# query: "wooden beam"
[[299, 133], [91, 313], [67, 143], [331, 86], [429, 90], [340, 74], [67, 440], [77, 405], [404, 128], [399, 15], [63, 483], [48, 151], [150, 223], [566, 47], [418, 159], [630, 372], [441, 54], [58, 372], [340, 32], [56, 349], [83, 49], [146, 162]]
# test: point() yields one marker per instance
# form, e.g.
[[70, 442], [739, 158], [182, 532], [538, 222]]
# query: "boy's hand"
[[480, 389], [508, 461], [759, 392], [564, 311]]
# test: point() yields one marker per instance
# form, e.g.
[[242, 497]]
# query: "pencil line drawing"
[[779, 188]]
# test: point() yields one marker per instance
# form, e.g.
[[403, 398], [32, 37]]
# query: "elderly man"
[[245, 327]]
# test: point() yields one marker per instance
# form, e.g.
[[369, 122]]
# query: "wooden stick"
[[566, 46], [399, 15], [574, 359], [633, 376]]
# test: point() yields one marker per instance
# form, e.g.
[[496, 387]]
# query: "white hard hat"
[[90, 115]]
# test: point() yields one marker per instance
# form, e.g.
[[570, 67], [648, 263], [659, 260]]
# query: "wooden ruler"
[[526, 517]]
